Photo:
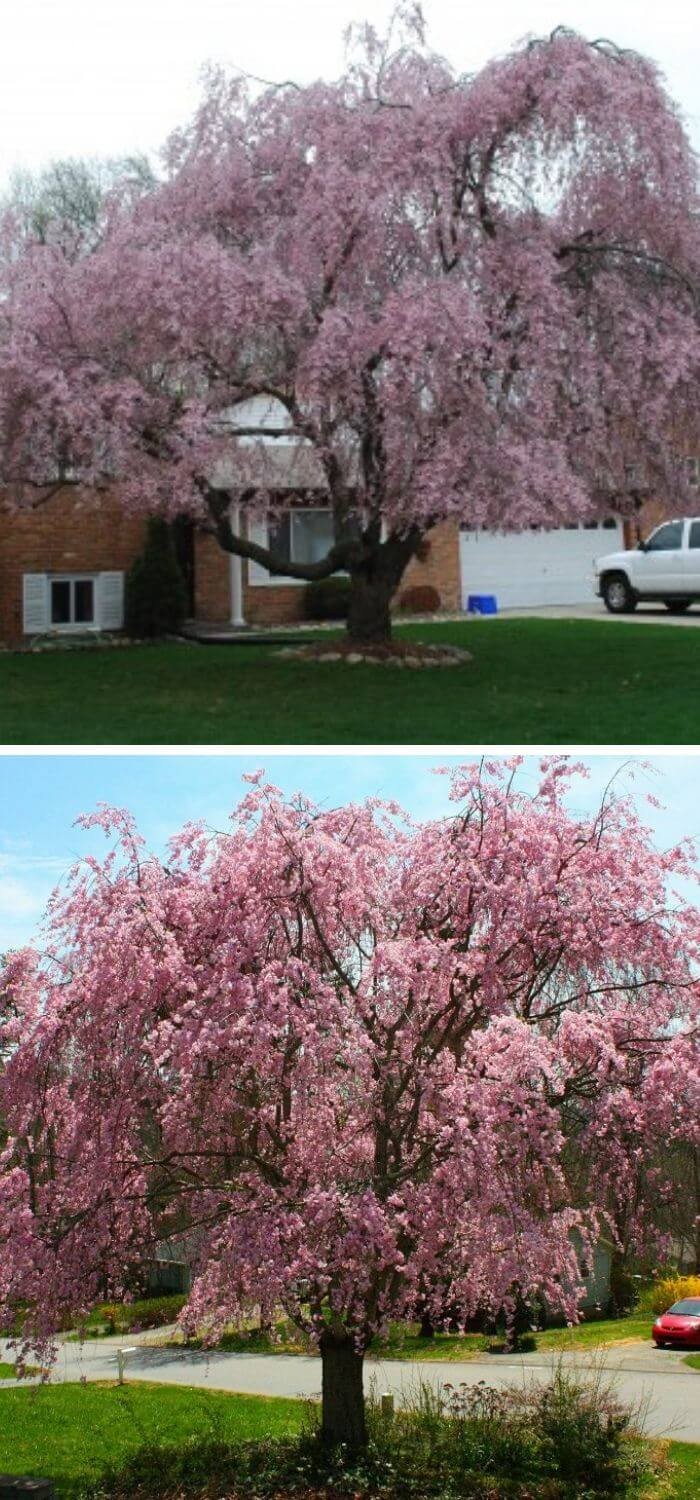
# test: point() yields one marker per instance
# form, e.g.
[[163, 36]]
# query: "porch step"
[[245, 635]]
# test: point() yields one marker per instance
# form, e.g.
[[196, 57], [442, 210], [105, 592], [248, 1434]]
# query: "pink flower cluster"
[[356, 1061], [472, 296]]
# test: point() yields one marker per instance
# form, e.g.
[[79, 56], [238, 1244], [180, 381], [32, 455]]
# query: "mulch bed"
[[412, 654]]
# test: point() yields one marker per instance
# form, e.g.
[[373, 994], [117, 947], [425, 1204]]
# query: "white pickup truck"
[[665, 567]]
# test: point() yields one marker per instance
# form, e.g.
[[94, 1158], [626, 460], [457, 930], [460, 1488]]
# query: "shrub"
[[155, 1312], [155, 596], [422, 599], [518, 1343], [565, 1441], [107, 1314], [327, 599], [147, 1312], [585, 1435], [667, 1290]]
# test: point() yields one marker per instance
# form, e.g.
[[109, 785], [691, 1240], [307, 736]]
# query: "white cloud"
[[26, 882], [18, 899], [20, 859]]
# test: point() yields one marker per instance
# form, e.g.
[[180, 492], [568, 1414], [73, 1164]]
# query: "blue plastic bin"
[[482, 604]]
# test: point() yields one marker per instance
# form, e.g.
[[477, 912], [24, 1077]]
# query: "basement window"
[[72, 602]]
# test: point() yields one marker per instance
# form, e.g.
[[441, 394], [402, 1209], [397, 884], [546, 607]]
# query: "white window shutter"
[[110, 601], [258, 532], [35, 603]]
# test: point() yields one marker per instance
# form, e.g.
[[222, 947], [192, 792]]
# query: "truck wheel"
[[617, 594], [677, 606]]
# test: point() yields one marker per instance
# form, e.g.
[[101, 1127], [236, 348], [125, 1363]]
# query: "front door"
[[183, 541]]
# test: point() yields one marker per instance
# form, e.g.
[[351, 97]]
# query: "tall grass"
[[566, 1439]]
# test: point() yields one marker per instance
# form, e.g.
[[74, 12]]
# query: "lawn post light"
[[121, 1360], [387, 1404]]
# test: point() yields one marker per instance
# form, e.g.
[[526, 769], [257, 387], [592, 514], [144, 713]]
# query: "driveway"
[[645, 614], [655, 1381]]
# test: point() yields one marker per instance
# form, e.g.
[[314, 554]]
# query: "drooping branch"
[[657, 263], [219, 503]]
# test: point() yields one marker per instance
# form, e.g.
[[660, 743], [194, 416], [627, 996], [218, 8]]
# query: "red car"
[[680, 1325]]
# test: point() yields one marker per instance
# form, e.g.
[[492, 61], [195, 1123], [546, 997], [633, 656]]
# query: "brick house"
[[63, 564]]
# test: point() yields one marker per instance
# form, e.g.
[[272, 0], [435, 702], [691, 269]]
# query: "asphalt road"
[[655, 1381]]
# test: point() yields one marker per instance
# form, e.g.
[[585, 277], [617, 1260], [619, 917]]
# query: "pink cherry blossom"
[[360, 1063], [471, 296]]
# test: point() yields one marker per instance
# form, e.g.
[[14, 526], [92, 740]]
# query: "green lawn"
[[598, 1331], [402, 1344], [7, 1372], [530, 681], [404, 1341], [693, 1360], [71, 1433], [684, 1476]]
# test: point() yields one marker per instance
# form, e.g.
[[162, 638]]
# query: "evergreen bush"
[[156, 596], [327, 599]]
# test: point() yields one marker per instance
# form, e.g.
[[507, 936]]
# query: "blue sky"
[[41, 796]]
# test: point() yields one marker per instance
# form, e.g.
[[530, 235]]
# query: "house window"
[[692, 470], [302, 536], [72, 602]]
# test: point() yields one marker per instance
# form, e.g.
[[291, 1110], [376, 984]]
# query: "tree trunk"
[[376, 566], [369, 613], [696, 1179], [343, 1402], [622, 1289], [425, 1318], [374, 581]]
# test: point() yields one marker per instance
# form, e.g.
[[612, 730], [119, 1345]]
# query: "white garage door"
[[535, 567]]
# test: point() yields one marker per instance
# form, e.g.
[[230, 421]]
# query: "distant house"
[[596, 1278], [169, 1270]]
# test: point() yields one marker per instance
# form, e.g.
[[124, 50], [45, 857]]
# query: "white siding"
[[530, 568]]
